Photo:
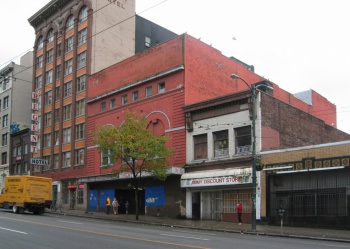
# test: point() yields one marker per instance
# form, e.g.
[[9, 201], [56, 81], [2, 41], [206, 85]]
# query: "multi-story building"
[[19, 148], [185, 72], [75, 39], [15, 102]]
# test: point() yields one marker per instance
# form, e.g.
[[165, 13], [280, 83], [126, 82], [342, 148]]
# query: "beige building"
[[15, 101]]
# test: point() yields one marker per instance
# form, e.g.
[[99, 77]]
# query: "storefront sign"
[[217, 178]]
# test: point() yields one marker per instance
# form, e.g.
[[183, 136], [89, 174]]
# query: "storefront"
[[214, 194]]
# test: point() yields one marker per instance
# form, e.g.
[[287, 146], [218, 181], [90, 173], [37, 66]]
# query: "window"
[[82, 37], [103, 106], [5, 121], [79, 156], [4, 139], [57, 116], [47, 140], [25, 149], [67, 112], [66, 159], [48, 77], [68, 67], [40, 43], [50, 36], [47, 121], [106, 158], [57, 138], [59, 49], [135, 96], [81, 60], [147, 41], [149, 91], [14, 153], [161, 87], [58, 72], [6, 102], [19, 150], [220, 143], [6, 84], [69, 44], [79, 131], [4, 158], [58, 92], [83, 14], [70, 23], [55, 161], [67, 89], [48, 158], [0, 104], [48, 97], [39, 62], [38, 82], [112, 103], [80, 107], [124, 99], [49, 56], [81, 83], [243, 139], [66, 135], [200, 146]]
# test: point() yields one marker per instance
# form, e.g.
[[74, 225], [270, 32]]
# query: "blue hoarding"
[[154, 196]]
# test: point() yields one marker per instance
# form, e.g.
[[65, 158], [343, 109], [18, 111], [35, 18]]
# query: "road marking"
[[15, 231], [70, 222], [170, 235], [194, 232], [108, 234]]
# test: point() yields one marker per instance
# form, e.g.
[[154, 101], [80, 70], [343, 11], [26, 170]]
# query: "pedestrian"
[[108, 205], [115, 205], [239, 213]]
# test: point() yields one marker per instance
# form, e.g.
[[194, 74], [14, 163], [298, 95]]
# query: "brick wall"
[[284, 126]]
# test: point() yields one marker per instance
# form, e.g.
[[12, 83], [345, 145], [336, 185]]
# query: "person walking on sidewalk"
[[115, 205], [239, 213], [108, 205]]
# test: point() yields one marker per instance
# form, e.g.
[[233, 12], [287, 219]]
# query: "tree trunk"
[[137, 201]]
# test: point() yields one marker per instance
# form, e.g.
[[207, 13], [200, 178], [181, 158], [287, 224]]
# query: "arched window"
[[40, 43], [50, 36], [83, 14], [70, 23]]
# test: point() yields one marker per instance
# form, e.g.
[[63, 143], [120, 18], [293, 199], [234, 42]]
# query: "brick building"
[[75, 39], [158, 83], [219, 155]]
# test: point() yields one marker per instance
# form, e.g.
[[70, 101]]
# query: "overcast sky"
[[297, 44]]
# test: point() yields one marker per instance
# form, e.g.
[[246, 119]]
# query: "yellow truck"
[[30, 193]]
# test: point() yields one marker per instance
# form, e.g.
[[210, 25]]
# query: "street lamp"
[[253, 92]]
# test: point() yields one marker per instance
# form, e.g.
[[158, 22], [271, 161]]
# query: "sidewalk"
[[228, 227]]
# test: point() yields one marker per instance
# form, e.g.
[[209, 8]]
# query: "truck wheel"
[[41, 211], [21, 210], [15, 208]]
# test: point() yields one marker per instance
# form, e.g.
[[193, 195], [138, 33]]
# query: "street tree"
[[134, 149]]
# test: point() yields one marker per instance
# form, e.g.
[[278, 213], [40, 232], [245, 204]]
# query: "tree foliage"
[[135, 149]]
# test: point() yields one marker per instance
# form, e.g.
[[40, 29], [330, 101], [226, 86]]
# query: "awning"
[[222, 177]]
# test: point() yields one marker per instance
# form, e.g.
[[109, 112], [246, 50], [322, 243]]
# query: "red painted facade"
[[192, 71]]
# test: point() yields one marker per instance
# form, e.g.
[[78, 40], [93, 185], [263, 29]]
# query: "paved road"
[[60, 231]]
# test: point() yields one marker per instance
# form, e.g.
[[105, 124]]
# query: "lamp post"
[[253, 92]]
